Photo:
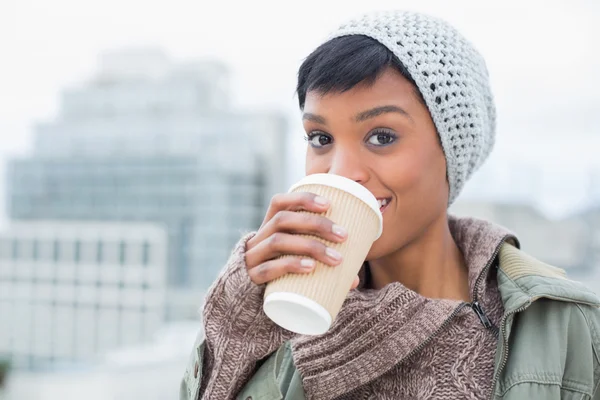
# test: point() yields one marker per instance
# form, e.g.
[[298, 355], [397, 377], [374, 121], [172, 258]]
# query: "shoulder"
[[546, 295], [523, 279]]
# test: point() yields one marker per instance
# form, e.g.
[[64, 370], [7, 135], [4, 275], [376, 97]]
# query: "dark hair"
[[344, 62]]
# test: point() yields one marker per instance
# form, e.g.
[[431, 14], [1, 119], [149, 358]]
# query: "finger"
[[302, 223], [355, 283], [274, 269], [292, 202], [280, 244], [296, 201]]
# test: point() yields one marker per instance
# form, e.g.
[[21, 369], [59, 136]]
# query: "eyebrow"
[[362, 116], [377, 111], [314, 118]]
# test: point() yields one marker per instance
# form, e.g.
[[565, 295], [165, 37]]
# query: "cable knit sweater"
[[390, 343]]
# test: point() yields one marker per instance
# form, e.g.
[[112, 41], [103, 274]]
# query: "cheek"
[[435, 170], [406, 171], [314, 163], [419, 183]]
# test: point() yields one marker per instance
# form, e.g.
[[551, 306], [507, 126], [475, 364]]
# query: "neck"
[[431, 265]]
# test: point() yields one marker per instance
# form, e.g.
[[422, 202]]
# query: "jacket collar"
[[522, 280]]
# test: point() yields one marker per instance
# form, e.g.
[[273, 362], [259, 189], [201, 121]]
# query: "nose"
[[349, 165]]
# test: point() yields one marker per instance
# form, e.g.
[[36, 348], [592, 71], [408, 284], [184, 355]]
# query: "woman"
[[445, 308]]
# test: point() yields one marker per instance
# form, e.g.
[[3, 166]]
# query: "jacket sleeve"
[[190, 384], [592, 318], [237, 332]]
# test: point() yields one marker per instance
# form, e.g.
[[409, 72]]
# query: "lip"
[[389, 200]]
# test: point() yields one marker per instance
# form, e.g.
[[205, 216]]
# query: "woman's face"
[[381, 136]]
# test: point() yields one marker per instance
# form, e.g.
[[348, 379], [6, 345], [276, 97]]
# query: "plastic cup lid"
[[297, 313]]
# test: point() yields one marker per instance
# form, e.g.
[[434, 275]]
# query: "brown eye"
[[381, 138], [318, 140]]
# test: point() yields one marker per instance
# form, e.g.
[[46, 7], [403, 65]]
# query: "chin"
[[384, 246], [377, 251]]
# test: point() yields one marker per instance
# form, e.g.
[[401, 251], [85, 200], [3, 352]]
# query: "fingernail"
[[339, 231], [307, 263], [322, 201], [333, 253]]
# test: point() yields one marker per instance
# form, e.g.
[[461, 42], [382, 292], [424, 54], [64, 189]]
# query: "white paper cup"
[[309, 303]]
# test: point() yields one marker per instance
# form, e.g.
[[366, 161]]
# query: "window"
[[35, 250], [99, 252], [122, 252], [56, 250], [145, 253], [15, 249], [4, 249], [77, 252]]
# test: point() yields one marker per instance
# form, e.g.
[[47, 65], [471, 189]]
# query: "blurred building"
[[553, 210], [572, 243], [594, 187], [152, 371], [554, 189], [504, 181], [591, 218], [150, 140], [70, 292]]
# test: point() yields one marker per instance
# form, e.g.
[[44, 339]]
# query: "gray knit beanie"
[[452, 77]]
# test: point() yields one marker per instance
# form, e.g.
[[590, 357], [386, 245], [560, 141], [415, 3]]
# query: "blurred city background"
[[140, 139]]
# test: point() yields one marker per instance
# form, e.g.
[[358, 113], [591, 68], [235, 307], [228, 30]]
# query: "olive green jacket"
[[548, 345]]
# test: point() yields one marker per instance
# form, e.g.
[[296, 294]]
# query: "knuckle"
[[276, 220], [276, 200], [253, 275], [262, 272], [249, 257], [323, 224], [281, 218], [247, 261], [292, 264], [275, 240], [315, 248]]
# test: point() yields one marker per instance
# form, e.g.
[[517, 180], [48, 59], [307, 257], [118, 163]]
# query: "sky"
[[542, 57]]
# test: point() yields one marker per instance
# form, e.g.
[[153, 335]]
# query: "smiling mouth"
[[384, 203]]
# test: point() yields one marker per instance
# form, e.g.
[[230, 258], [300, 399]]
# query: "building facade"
[[149, 371], [202, 208], [567, 243], [150, 140], [70, 292]]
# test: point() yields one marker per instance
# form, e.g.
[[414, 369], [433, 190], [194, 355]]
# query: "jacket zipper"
[[487, 323], [505, 346]]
